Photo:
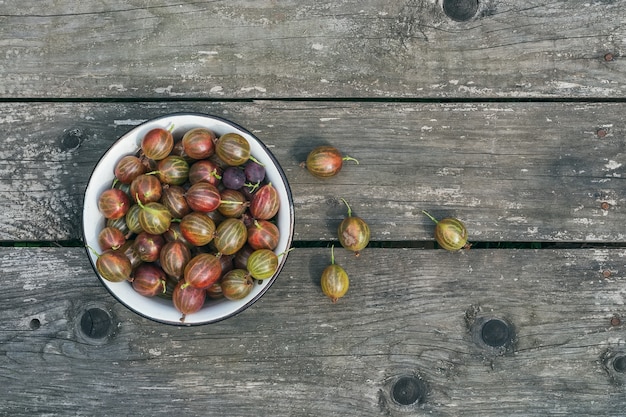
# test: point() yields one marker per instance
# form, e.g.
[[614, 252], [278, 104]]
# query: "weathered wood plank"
[[294, 353], [240, 49], [511, 171]]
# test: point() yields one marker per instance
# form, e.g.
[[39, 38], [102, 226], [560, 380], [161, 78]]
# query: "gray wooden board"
[[294, 353], [373, 48], [510, 171]]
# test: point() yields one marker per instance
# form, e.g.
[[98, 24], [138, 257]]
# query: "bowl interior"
[[157, 308]]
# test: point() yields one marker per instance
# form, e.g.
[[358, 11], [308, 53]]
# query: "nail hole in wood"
[[34, 324], [619, 364], [96, 323], [460, 10], [408, 390], [496, 333]]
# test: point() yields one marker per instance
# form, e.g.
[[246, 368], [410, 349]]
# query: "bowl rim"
[[291, 215]]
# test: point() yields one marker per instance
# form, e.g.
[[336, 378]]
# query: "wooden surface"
[[511, 171], [408, 312], [373, 48], [512, 121]]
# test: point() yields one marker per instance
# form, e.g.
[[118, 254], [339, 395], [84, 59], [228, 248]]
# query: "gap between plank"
[[401, 244], [425, 100]]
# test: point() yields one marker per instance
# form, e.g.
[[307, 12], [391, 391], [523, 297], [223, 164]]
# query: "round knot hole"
[[460, 10], [72, 139], [408, 390], [96, 323], [34, 324], [619, 364], [496, 333]]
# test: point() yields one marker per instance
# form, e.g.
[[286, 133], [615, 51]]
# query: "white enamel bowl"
[[159, 309]]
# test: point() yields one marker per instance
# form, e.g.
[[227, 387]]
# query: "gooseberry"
[[353, 232]]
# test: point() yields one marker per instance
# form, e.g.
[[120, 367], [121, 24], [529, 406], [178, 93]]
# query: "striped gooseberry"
[[233, 149], [353, 232], [325, 161], [149, 280], [111, 238], [113, 203], [154, 217], [197, 228], [265, 202], [450, 233], [173, 258], [230, 236], [128, 168], [236, 284], [113, 265], [187, 299], [198, 143], [334, 281], [263, 234], [173, 170], [157, 143], [203, 270]]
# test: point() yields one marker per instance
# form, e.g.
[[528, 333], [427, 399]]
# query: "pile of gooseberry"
[[189, 219]]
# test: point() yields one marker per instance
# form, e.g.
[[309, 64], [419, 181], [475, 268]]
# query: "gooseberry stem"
[[332, 255], [215, 174], [430, 217], [93, 251], [285, 252], [349, 158], [139, 201], [253, 159], [253, 187], [347, 205]]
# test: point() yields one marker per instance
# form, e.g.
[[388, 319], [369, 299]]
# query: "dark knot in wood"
[[496, 333], [408, 390], [619, 363], [460, 10], [72, 139], [96, 323]]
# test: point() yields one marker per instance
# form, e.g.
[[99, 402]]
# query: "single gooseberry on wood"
[[450, 233], [334, 281], [353, 232], [325, 161]]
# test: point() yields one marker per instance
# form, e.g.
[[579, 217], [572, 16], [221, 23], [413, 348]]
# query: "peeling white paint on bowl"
[[156, 308]]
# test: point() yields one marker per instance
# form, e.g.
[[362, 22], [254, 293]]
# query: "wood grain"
[[269, 49], [294, 353], [511, 171]]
